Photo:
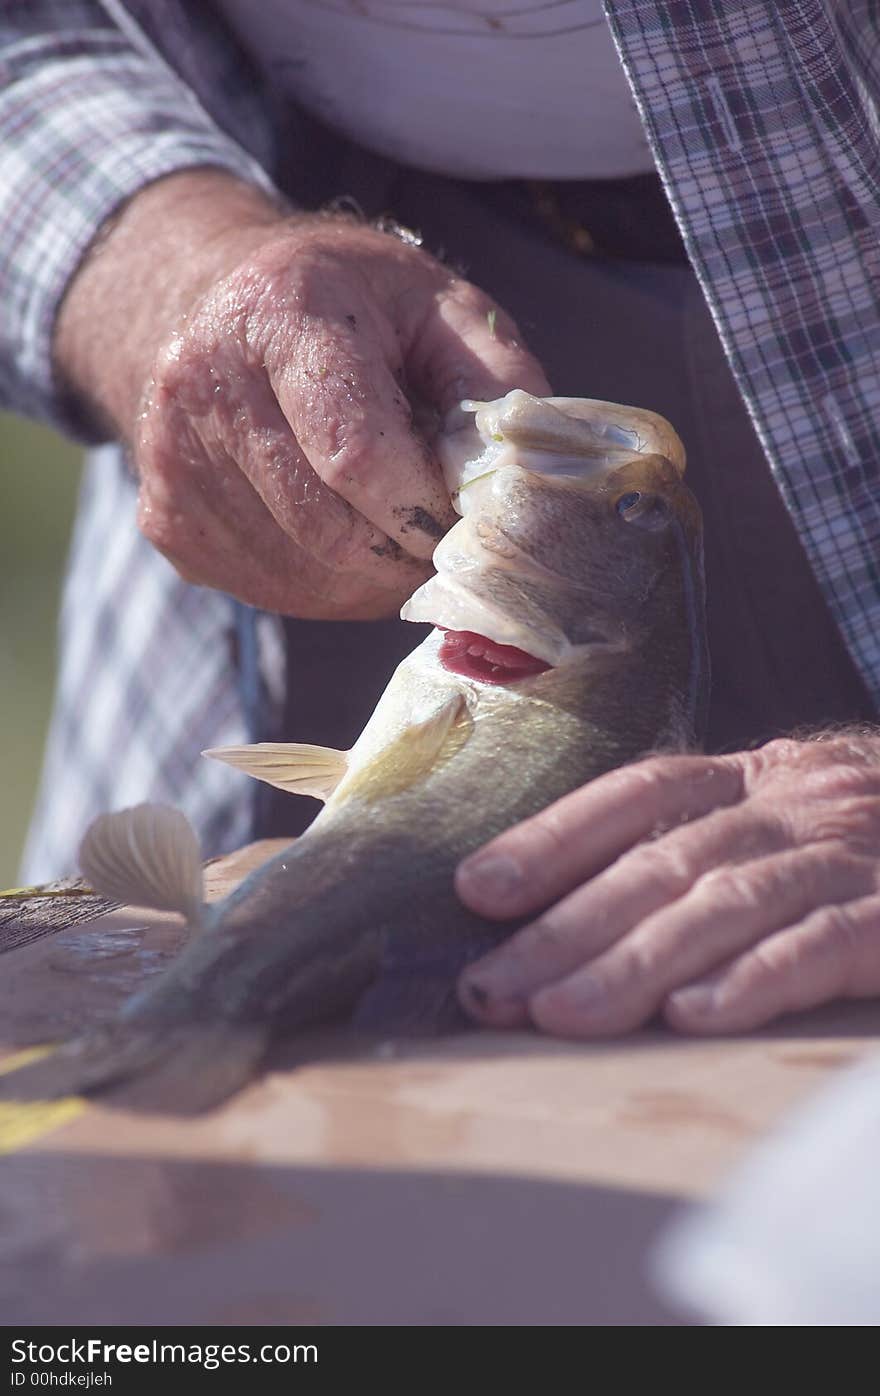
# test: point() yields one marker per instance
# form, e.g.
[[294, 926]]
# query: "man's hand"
[[720, 891], [264, 370]]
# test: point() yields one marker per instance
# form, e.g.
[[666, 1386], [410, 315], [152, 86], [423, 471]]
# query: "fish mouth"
[[474, 656], [575, 439], [502, 628], [451, 607]]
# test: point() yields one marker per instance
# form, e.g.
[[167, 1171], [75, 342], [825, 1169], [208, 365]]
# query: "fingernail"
[[497, 977], [491, 981], [494, 877], [499, 1011]]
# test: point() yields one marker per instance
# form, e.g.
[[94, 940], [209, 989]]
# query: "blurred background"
[[39, 475]]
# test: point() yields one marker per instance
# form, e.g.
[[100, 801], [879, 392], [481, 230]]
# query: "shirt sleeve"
[[86, 120]]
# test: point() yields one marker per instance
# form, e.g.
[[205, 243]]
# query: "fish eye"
[[627, 502], [647, 511]]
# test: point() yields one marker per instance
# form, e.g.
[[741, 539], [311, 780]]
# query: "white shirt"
[[471, 88]]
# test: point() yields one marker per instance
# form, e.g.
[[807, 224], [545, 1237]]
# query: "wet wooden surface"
[[483, 1178]]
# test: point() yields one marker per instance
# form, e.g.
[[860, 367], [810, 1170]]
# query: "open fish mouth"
[[574, 441], [477, 657], [449, 604], [572, 438]]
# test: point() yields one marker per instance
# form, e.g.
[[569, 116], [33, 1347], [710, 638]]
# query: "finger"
[[252, 429], [341, 391], [201, 512], [542, 859], [833, 953], [467, 346], [726, 911], [597, 915]]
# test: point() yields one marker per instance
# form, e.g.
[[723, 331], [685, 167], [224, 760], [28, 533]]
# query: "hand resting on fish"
[[568, 641], [718, 891]]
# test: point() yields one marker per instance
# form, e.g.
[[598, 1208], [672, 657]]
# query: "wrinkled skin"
[[720, 892], [267, 387], [254, 303], [279, 423]]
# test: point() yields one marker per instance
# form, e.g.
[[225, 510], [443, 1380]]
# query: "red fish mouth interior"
[[475, 657]]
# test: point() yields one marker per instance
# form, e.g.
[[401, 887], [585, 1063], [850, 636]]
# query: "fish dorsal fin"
[[296, 767], [146, 856]]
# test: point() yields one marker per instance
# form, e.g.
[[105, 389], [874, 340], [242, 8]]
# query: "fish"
[[569, 639]]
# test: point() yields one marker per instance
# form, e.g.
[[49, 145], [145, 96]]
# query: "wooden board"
[[484, 1178]]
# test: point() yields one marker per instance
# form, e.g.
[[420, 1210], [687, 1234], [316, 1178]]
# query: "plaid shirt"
[[763, 124]]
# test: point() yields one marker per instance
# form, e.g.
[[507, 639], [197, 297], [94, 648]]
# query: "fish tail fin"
[[181, 1071], [146, 856]]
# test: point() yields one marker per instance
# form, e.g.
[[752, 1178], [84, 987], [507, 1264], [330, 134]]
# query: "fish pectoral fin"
[[146, 856], [296, 767], [417, 750], [425, 741]]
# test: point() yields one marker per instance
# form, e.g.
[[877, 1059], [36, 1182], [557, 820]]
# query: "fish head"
[[578, 536]]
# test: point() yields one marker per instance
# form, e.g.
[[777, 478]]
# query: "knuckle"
[[187, 373], [839, 781], [851, 823], [541, 844], [785, 750], [846, 938], [254, 306], [779, 756], [663, 864], [167, 365], [468, 297], [636, 964], [161, 527], [728, 886], [832, 765], [545, 940], [859, 867], [343, 472], [347, 456], [475, 310], [784, 755], [666, 769], [653, 776], [552, 829], [771, 959], [658, 769]]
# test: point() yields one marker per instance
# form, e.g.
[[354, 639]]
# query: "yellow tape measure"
[[24, 1121]]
